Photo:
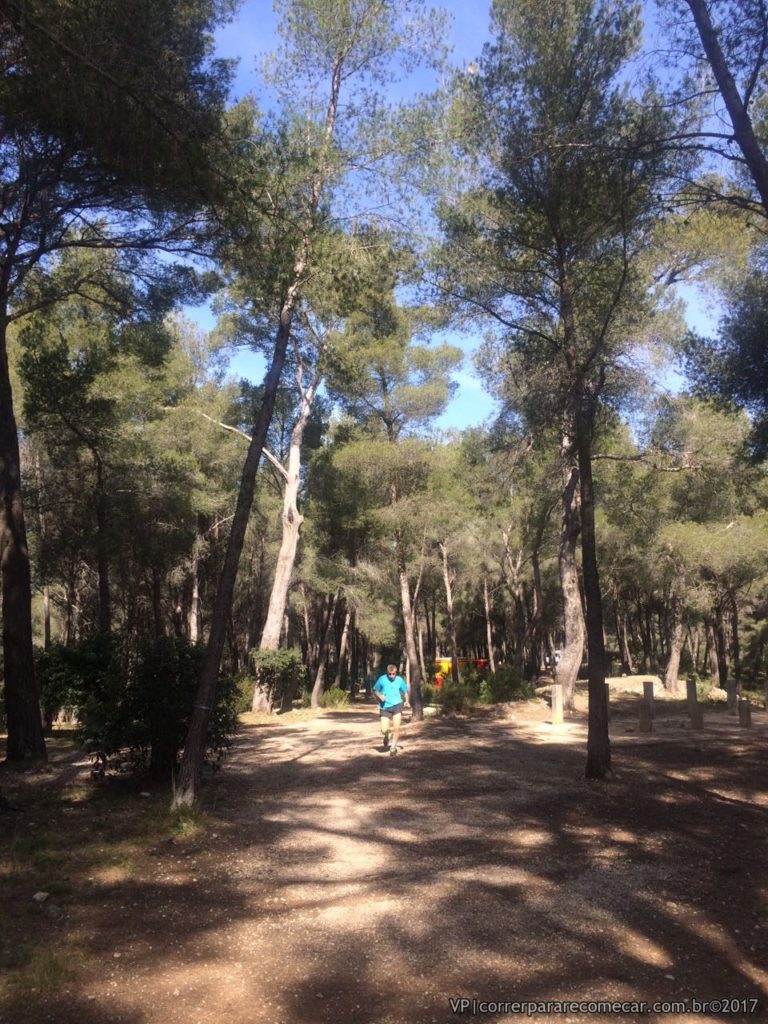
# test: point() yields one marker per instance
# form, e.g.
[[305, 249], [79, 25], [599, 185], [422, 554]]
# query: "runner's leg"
[[396, 719], [384, 722]]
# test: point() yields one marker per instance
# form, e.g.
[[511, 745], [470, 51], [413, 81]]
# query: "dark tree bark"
[[102, 548], [743, 130], [448, 579], [711, 652], [736, 647], [22, 699], [598, 742], [194, 748], [322, 664], [573, 615]]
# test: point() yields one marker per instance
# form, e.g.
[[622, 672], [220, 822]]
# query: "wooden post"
[[646, 717], [694, 709], [745, 714], [556, 691], [648, 697]]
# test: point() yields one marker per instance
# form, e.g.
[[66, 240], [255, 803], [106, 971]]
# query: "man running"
[[391, 690]]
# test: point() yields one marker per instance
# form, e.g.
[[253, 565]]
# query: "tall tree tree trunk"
[[102, 549], [721, 647], [322, 663], [448, 584], [417, 701], [420, 636], [190, 771], [598, 742], [534, 625], [743, 130], [671, 680], [343, 646], [734, 684], [194, 607], [22, 700], [573, 616], [291, 518], [714, 661], [488, 626], [194, 749], [627, 663]]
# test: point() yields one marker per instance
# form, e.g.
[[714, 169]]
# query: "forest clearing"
[[324, 881], [424, 362]]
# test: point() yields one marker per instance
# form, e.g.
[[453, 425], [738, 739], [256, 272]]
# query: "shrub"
[[142, 702], [160, 700], [245, 684], [454, 697], [334, 697], [67, 675], [502, 686], [428, 692], [281, 675]]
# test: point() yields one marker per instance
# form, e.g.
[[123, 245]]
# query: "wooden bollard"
[[556, 690], [648, 696], [646, 718], [745, 714], [694, 708]]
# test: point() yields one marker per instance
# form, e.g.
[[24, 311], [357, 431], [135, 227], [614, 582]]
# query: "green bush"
[[281, 674], [245, 684], [334, 697], [502, 686], [160, 700], [141, 702], [454, 697], [428, 692], [66, 675]]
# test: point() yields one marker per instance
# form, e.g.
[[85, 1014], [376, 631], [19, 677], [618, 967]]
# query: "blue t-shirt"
[[393, 690]]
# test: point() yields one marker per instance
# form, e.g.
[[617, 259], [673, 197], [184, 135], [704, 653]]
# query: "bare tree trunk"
[[322, 664], [292, 518], [417, 702], [448, 584], [734, 685], [671, 680], [22, 700], [598, 741], [488, 627], [626, 655], [714, 663], [420, 636], [573, 616], [720, 646], [343, 645], [102, 548], [194, 608], [194, 749], [743, 131]]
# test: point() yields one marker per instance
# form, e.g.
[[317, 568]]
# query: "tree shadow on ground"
[[335, 883]]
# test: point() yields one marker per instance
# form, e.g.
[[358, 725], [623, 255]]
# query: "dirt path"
[[336, 883]]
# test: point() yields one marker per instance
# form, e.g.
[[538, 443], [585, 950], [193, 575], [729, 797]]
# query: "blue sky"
[[248, 38]]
